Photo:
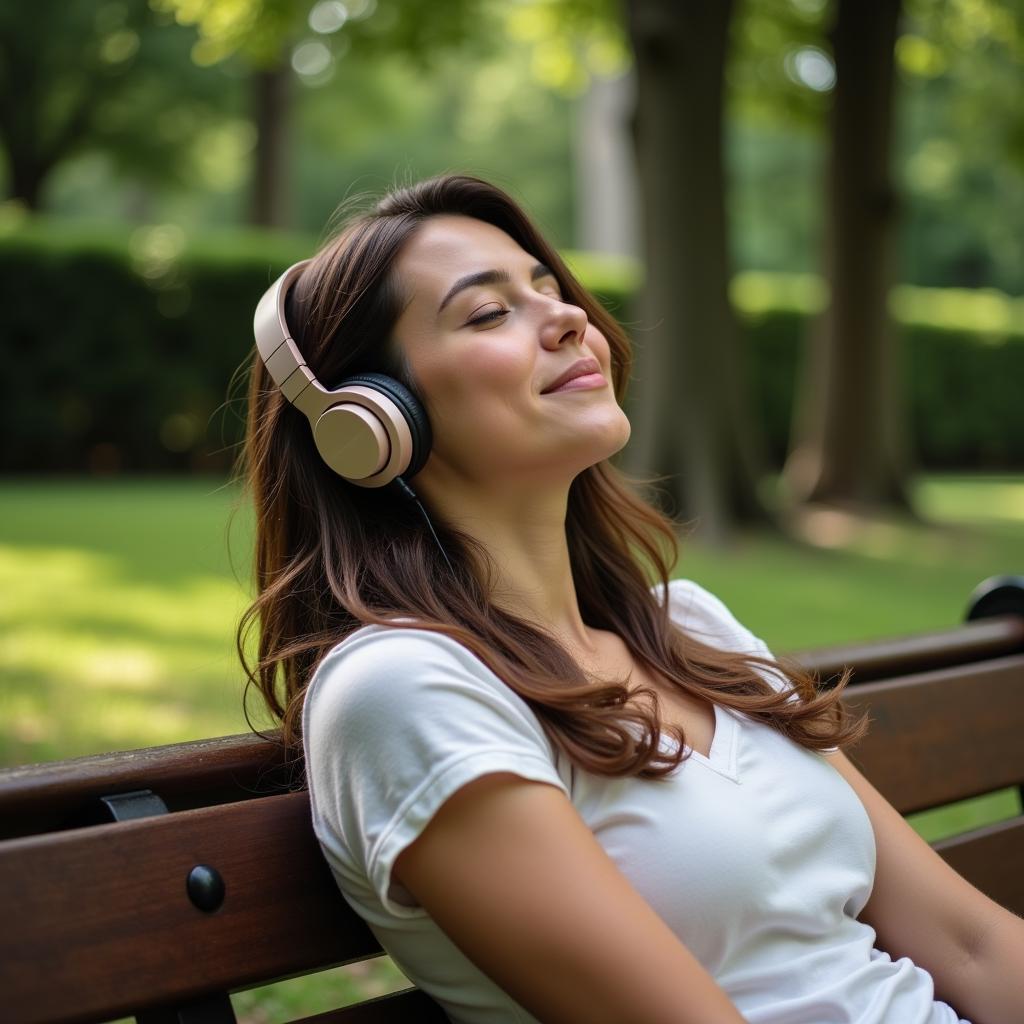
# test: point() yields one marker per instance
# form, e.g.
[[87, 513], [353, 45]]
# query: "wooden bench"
[[155, 882]]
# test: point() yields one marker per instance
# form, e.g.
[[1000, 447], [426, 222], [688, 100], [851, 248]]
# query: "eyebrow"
[[490, 277]]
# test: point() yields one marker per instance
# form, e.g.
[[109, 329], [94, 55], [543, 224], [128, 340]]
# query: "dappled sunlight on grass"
[[51, 572], [81, 659], [843, 578], [973, 499], [123, 721], [284, 1000], [885, 538], [118, 604], [81, 585]]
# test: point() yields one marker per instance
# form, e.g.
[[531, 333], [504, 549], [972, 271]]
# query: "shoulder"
[[403, 655], [700, 613], [394, 684], [386, 664]]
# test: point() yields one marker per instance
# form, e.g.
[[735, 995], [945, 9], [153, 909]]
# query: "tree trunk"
[[690, 412], [604, 167], [849, 439], [271, 98], [26, 180]]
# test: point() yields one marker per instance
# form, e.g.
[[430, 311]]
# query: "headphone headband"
[[274, 341]]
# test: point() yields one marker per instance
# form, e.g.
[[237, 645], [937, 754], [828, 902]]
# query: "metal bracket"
[[206, 890], [215, 1009], [139, 803]]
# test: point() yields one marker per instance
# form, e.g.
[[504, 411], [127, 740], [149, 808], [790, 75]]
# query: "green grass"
[[118, 603], [119, 599]]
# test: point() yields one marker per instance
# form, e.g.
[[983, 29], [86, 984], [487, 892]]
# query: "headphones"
[[370, 429]]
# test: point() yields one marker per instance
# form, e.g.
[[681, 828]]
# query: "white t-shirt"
[[759, 856]]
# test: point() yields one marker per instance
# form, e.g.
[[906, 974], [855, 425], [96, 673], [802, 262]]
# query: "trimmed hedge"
[[124, 351], [119, 352]]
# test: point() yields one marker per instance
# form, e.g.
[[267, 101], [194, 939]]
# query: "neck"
[[523, 530]]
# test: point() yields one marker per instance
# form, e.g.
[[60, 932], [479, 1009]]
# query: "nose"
[[563, 322]]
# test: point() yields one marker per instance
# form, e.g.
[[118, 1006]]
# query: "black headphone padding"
[[410, 406]]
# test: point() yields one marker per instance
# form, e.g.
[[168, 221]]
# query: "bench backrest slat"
[[112, 884], [938, 737], [198, 773], [922, 652], [991, 858]]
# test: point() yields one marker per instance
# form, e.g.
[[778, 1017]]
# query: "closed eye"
[[495, 314]]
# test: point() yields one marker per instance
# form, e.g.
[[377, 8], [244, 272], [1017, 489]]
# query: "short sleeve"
[[395, 721], [698, 611]]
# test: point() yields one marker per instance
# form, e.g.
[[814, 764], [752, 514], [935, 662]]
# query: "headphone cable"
[[407, 492]]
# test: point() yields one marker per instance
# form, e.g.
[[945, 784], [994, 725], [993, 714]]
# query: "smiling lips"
[[584, 374]]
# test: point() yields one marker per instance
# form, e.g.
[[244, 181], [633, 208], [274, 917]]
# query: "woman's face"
[[483, 354]]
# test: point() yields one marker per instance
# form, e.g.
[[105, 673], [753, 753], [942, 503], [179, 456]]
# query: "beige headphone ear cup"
[[352, 440], [394, 441]]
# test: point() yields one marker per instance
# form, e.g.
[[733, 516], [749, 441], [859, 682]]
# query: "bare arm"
[[922, 909], [514, 877]]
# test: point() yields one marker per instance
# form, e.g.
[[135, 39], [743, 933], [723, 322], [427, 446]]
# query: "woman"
[[554, 791]]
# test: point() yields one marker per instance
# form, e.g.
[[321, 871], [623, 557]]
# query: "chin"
[[615, 442], [625, 432]]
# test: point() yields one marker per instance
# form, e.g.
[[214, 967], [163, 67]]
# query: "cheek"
[[490, 364], [598, 344], [477, 381], [485, 377]]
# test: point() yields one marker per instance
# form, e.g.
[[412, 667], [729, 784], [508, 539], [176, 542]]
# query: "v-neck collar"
[[722, 756]]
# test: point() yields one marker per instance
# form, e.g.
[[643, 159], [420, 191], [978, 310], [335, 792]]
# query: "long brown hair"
[[331, 557]]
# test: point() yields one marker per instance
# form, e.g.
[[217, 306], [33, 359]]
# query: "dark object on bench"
[[155, 882]]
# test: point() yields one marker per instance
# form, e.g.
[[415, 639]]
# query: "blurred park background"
[[808, 214]]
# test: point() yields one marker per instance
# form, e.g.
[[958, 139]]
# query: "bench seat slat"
[[129, 936], [938, 737], [991, 858]]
